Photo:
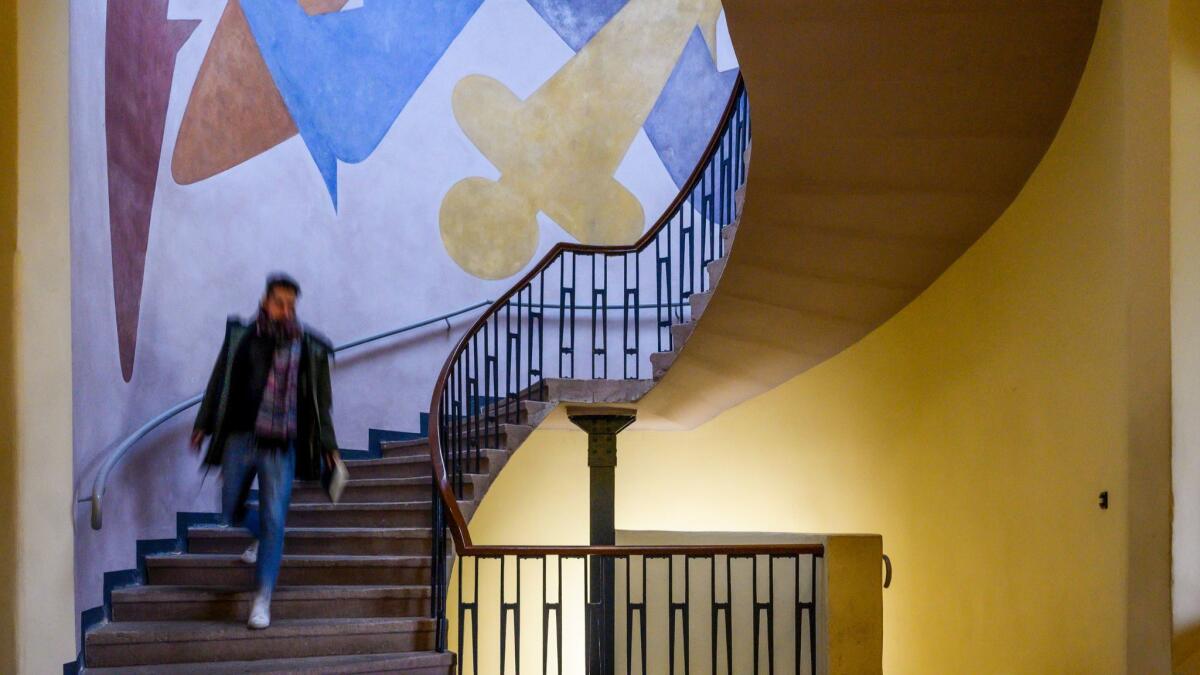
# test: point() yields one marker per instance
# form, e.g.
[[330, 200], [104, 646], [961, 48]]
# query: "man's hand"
[[197, 439], [330, 458]]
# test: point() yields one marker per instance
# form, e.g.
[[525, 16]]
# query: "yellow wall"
[[8, 228], [975, 429], [41, 520], [1185, 328]]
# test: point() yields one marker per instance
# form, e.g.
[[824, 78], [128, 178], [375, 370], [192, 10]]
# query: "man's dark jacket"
[[314, 425]]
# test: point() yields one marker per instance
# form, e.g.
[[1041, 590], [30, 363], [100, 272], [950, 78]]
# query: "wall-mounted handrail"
[[118, 453]]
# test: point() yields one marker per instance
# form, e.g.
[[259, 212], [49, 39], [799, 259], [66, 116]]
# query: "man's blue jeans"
[[275, 468]]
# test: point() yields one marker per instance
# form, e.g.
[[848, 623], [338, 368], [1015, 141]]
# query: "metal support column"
[[602, 425]]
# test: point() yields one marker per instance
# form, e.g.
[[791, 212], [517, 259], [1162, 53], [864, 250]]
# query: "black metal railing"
[[582, 312], [677, 609]]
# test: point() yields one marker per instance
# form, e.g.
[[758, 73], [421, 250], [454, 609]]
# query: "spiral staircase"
[[888, 135]]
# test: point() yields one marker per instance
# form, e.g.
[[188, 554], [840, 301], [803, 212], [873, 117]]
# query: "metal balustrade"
[[578, 314], [677, 609]]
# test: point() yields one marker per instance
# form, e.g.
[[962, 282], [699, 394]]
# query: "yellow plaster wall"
[[8, 228], [974, 430], [40, 516]]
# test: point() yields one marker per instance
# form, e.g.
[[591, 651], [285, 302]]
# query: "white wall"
[[377, 262]]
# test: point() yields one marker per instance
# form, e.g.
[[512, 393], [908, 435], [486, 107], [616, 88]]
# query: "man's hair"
[[282, 280]]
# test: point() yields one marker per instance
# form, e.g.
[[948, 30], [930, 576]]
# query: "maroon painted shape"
[[139, 64]]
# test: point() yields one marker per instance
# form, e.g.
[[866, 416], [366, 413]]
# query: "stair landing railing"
[[578, 314]]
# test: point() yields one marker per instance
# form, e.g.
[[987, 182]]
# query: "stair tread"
[[314, 665], [181, 593], [377, 482], [225, 559], [387, 461], [217, 531], [137, 632], [357, 506]]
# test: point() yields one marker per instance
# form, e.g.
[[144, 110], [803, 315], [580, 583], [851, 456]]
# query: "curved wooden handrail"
[[457, 524]]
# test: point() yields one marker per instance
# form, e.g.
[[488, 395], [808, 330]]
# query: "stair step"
[[411, 663], [597, 391], [372, 490], [715, 269], [217, 603], [661, 362], [215, 569], [510, 438], [699, 302], [532, 413], [381, 514], [729, 233], [318, 540], [391, 467], [137, 643], [367, 514], [680, 333]]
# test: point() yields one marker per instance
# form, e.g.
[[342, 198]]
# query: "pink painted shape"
[[139, 64]]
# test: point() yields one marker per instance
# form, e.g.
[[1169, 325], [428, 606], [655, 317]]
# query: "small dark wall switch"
[[1104, 500]]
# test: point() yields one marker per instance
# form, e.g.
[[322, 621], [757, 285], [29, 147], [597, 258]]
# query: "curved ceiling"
[[888, 136]]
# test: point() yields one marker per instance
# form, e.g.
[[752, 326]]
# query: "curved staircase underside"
[[888, 136]]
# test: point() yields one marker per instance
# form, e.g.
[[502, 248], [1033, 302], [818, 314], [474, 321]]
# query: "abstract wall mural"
[[214, 141], [557, 151], [339, 78], [139, 64], [273, 68]]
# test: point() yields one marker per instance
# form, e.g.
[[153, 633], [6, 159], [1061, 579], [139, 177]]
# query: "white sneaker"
[[250, 555], [260, 613]]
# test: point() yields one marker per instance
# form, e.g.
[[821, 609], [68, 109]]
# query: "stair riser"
[[242, 576], [420, 470], [367, 494], [386, 667], [680, 333], [414, 470], [348, 518], [364, 545], [505, 441], [238, 609], [261, 646], [434, 670]]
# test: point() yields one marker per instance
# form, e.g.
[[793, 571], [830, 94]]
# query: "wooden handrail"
[[457, 524], [484, 551]]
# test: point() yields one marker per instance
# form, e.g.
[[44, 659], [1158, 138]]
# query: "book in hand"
[[334, 480]]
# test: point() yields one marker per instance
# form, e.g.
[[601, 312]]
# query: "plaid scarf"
[[277, 413]]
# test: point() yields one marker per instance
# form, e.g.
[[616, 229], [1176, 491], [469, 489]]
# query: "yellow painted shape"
[[557, 151]]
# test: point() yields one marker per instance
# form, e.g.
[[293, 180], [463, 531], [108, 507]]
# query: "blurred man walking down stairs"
[[267, 411]]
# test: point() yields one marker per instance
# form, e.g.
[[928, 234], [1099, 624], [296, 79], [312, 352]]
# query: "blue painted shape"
[[346, 76], [577, 21], [689, 108]]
